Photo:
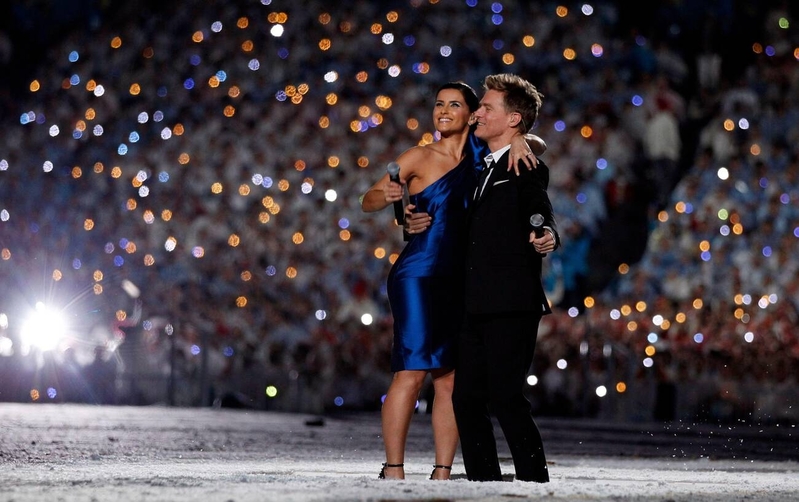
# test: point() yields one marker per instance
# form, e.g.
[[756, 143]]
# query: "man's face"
[[492, 118]]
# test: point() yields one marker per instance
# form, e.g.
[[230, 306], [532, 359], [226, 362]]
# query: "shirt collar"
[[494, 156]]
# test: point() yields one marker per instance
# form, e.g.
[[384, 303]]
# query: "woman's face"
[[450, 113]]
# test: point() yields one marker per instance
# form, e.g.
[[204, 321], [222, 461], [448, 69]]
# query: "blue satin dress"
[[425, 285]]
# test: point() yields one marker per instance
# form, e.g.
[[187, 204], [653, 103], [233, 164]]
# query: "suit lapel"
[[492, 177], [484, 181]]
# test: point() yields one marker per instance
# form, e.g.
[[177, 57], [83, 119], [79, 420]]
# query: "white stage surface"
[[121, 454]]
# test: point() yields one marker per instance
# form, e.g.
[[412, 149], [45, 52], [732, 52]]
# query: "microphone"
[[399, 209], [537, 222]]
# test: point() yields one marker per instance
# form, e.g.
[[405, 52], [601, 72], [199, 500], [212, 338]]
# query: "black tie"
[[482, 179]]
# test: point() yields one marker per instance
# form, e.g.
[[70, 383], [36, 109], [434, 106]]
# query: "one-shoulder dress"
[[425, 285]]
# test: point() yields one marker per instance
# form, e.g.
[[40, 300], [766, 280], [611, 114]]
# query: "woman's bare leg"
[[396, 414], [445, 430]]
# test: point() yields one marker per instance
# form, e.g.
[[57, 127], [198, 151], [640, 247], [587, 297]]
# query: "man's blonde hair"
[[520, 96]]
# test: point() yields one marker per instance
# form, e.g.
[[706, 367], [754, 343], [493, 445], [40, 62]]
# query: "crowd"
[[209, 158]]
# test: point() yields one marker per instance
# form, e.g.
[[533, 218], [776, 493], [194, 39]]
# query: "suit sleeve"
[[535, 199]]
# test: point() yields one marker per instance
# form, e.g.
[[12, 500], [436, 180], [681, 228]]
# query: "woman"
[[426, 280]]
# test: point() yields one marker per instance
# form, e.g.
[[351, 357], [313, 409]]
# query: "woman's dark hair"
[[472, 101]]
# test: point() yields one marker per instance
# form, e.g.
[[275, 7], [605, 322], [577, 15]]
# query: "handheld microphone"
[[399, 209], [537, 222]]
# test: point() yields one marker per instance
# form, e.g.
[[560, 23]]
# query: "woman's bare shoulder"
[[413, 157]]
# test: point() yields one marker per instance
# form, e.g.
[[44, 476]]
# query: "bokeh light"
[[226, 160]]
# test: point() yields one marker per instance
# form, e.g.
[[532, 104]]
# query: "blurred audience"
[[212, 156]]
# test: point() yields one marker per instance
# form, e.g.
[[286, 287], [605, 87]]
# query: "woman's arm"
[[381, 194], [525, 149], [537, 144], [385, 192]]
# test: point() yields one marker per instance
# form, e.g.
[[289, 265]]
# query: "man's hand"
[[544, 244], [416, 222]]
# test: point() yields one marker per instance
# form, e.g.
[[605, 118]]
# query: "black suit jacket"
[[503, 269]]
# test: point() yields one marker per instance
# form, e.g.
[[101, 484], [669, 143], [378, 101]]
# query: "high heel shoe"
[[439, 466], [382, 474]]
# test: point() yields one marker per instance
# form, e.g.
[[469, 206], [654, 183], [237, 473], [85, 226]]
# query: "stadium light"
[[44, 328]]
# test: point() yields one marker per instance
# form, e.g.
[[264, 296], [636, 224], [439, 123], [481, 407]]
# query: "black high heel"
[[382, 474], [439, 466]]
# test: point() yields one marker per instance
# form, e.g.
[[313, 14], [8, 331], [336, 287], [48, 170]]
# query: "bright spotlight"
[[43, 329], [6, 347]]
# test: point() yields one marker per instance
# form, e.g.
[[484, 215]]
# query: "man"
[[504, 295]]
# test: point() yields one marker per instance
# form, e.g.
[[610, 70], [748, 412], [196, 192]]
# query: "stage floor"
[[121, 454]]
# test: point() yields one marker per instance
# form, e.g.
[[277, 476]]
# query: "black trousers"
[[494, 355]]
